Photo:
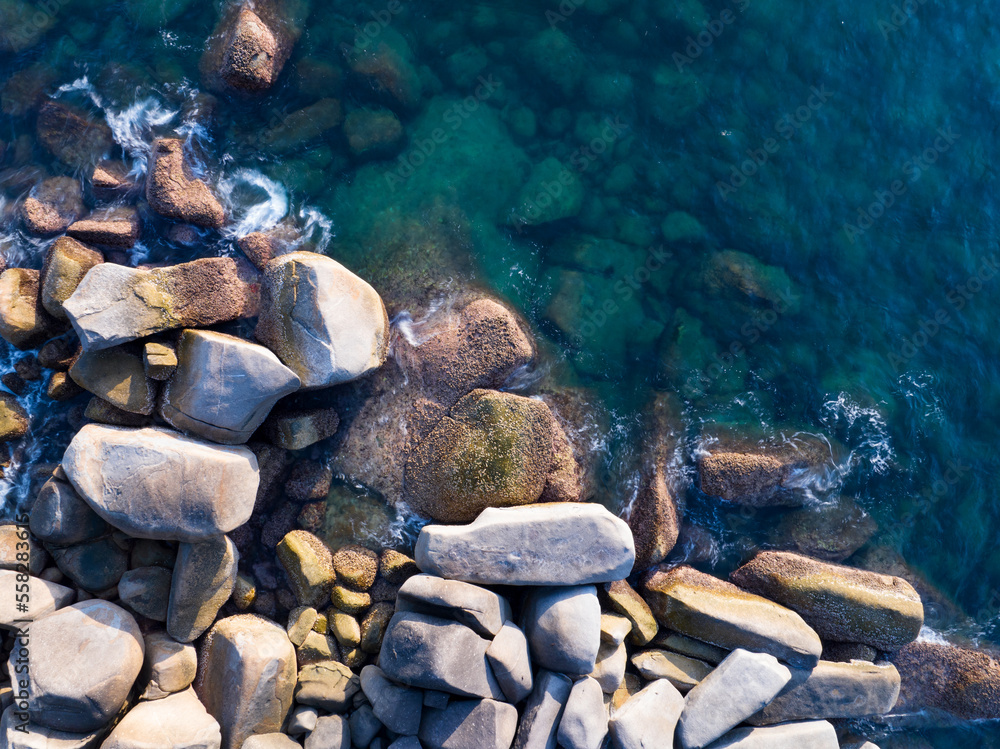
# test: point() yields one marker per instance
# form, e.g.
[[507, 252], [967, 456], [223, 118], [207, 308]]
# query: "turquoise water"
[[841, 157]]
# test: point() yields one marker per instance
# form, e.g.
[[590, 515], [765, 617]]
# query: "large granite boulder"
[[155, 483], [323, 322], [468, 724], [842, 604], [203, 579], [115, 304], [24, 323], [66, 263], [570, 543], [173, 192], [704, 607], [223, 387], [812, 734], [178, 720], [116, 376], [42, 597], [246, 677], [563, 627], [948, 681], [82, 662], [52, 206], [431, 653], [493, 449]]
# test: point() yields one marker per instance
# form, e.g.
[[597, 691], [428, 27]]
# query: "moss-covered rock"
[[66, 263], [308, 563]]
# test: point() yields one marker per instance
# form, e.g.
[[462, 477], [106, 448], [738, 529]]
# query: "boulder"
[[717, 612], [308, 564], [72, 135], [739, 687], [386, 64], [398, 707], [373, 133], [511, 663], [654, 519], [542, 544], [203, 579], [16, 734], [159, 360], [814, 734], [14, 419], [621, 597], [831, 532], [357, 566], [469, 724], [116, 376], [246, 677], [95, 565], [146, 591], [322, 321], [834, 690], [609, 668], [563, 627], [840, 603], [24, 323], [169, 666], [298, 429], [493, 449], [331, 732], [948, 680], [536, 205], [66, 263], [373, 627], [543, 710], [178, 720], [680, 670], [41, 598], [483, 611], [116, 227], [110, 180], [648, 718], [327, 685], [173, 192], [364, 726], [431, 653], [691, 647], [223, 387], [84, 660], [115, 304], [19, 550], [584, 722], [52, 206], [155, 483]]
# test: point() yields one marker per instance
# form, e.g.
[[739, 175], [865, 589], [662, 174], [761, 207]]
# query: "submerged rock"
[[52, 206], [115, 304], [155, 483], [66, 264], [110, 179], [842, 604], [24, 323], [174, 193], [829, 532], [386, 63], [373, 133], [544, 544]]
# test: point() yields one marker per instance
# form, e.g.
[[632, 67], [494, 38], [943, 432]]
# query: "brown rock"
[[373, 133], [396, 567], [831, 531], [112, 227], [24, 323], [356, 566], [309, 482], [110, 179], [173, 192], [298, 429], [72, 135], [101, 411], [944, 678], [66, 263], [14, 420], [623, 599], [62, 388], [52, 206], [58, 354], [117, 376]]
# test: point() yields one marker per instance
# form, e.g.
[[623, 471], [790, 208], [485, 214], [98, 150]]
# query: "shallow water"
[[848, 149]]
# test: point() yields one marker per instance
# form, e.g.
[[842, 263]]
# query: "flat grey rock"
[[223, 387], [680, 670], [738, 687], [469, 724], [814, 734], [178, 720], [648, 718], [331, 732], [431, 653], [563, 627], [156, 483], [540, 720], [584, 722], [511, 662], [398, 707], [482, 610], [565, 543], [609, 669], [203, 579]]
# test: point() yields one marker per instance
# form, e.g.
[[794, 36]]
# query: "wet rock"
[[950, 680], [584, 722], [740, 686], [373, 133], [736, 273], [24, 323], [469, 724], [61, 388], [327, 685], [717, 612], [52, 206], [203, 579], [834, 690], [544, 708], [373, 627], [815, 734], [511, 664], [84, 660], [356, 566], [431, 653], [177, 720], [117, 376], [680, 670], [542, 544], [95, 565], [66, 264], [110, 179], [622, 598], [72, 135], [829, 532], [298, 429], [308, 564], [483, 611], [223, 387], [563, 627], [170, 666], [387, 64], [841, 603], [41, 598], [115, 304], [654, 520], [146, 591], [493, 449], [174, 193], [648, 718], [155, 483], [116, 227], [246, 677], [14, 419], [322, 321], [399, 708]]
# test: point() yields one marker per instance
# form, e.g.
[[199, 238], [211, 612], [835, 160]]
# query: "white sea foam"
[[256, 202]]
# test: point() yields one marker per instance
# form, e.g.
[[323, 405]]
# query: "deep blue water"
[[844, 152]]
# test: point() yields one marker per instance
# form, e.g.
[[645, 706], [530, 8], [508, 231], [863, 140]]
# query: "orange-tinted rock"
[[173, 192], [52, 206]]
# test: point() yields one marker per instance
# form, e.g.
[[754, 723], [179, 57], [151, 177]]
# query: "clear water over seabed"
[[845, 154]]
